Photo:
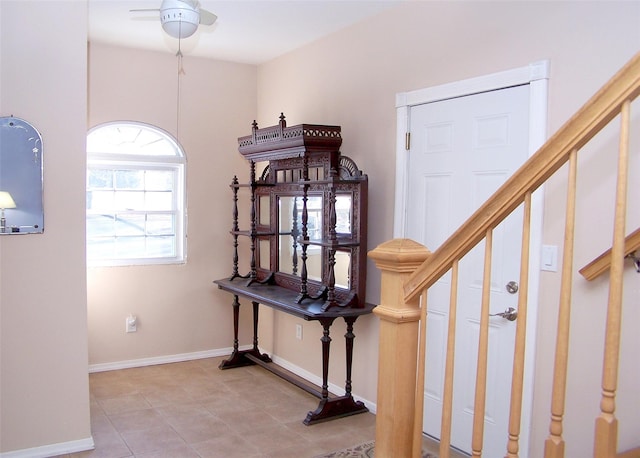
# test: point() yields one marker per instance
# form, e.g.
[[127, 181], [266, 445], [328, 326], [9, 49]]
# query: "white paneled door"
[[462, 150]]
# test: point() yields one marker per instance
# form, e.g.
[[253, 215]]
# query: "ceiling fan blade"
[[145, 14], [146, 19], [207, 17], [144, 10]]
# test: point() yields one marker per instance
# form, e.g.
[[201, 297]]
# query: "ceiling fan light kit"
[[180, 18], [179, 22]]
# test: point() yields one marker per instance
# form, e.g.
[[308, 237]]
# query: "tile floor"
[[194, 409]]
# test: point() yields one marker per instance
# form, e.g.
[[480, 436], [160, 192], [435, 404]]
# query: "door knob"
[[512, 287], [510, 314]]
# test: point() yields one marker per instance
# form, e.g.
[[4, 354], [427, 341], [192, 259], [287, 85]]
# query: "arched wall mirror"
[[21, 185]]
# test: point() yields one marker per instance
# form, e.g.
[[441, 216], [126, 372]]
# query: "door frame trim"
[[536, 75]]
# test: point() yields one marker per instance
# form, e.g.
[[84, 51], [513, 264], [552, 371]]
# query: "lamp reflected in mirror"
[[6, 201]]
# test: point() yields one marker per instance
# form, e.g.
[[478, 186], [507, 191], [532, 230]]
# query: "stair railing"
[[409, 270], [602, 263]]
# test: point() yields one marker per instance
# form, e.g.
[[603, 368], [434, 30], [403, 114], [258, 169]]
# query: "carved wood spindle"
[[235, 228], [252, 275], [305, 235], [331, 251], [333, 240], [254, 132], [294, 235]]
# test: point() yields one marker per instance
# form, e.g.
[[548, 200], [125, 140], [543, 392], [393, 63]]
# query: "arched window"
[[135, 195]]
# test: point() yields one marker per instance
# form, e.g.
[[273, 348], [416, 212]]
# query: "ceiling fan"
[[180, 18]]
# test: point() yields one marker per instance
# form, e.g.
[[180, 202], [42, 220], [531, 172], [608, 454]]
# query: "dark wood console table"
[[307, 241], [283, 299]]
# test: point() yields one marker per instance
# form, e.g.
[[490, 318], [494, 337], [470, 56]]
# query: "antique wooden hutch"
[[307, 241]]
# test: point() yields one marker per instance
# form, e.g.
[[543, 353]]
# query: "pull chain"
[[180, 73]]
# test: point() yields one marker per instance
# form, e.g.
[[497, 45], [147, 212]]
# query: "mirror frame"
[[21, 174]]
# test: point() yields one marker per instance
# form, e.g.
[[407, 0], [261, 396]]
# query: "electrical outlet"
[[131, 323], [299, 331]]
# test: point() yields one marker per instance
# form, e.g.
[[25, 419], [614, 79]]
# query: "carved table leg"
[[326, 346], [255, 325], [239, 357], [331, 408], [348, 337]]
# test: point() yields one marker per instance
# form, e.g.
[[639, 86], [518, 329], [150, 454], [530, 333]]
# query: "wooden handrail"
[[635, 453], [600, 265], [577, 132]]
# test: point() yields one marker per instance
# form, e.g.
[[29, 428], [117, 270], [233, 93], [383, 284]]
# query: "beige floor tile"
[[229, 446], [167, 396], [248, 420], [193, 409], [152, 440], [228, 403], [176, 452], [122, 404], [199, 428], [276, 437], [105, 388], [188, 409], [137, 420], [290, 412]]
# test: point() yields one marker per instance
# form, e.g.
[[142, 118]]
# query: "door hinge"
[[407, 141]]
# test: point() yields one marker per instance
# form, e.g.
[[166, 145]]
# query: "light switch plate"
[[549, 261]]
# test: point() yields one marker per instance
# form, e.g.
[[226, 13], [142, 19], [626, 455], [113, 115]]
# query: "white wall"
[[351, 79], [179, 309], [44, 389]]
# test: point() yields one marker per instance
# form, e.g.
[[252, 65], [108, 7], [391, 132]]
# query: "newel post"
[[398, 347]]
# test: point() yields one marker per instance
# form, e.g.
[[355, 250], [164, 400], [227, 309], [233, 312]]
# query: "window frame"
[[174, 163]]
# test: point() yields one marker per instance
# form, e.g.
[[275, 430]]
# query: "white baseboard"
[[52, 450], [103, 367], [310, 377]]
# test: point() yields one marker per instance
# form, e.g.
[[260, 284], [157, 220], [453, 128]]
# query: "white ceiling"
[[247, 31]]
